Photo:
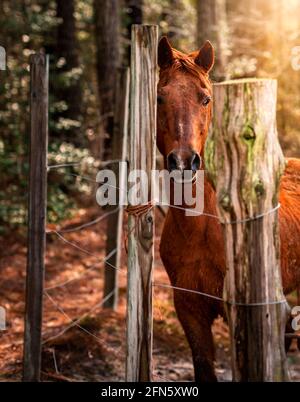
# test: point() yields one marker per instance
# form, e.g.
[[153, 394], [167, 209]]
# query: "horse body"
[[289, 225], [193, 254], [192, 247]]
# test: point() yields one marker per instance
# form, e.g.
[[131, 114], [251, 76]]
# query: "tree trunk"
[[212, 25], [134, 15], [244, 150], [106, 14], [115, 220], [67, 49], [171, 17], [107, 21]]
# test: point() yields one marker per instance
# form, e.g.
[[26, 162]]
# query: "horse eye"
[[206, 101], [160, 100]]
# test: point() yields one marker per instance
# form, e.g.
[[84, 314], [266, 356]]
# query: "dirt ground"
[[94, 351]]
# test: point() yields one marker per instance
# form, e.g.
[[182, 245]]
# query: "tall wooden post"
[[245, 159], [140, 242], [115, 220], [36, 216]]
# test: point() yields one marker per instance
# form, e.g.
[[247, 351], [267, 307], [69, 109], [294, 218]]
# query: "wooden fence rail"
[[140, 243], [246, 162], [39, 67]]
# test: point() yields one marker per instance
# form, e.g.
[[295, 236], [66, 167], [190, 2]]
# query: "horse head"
[[184, 97]]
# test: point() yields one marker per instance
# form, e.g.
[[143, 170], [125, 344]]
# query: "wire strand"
[[101, 164], [198, 213], [67, 282], [88, 224], [61, 165], [82, 249], [74, 323], [233, 303], [248, 219]]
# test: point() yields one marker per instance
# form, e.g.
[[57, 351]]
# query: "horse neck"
[[199, 222], [210, 199]]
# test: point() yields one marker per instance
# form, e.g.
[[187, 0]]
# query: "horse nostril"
[[195, 162], [172, 162]]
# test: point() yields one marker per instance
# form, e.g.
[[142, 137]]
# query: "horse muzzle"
[[183, 160]]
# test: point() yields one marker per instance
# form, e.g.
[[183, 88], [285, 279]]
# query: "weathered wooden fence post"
[[115, 220], [245, 160], [140, 243], [36, 216]]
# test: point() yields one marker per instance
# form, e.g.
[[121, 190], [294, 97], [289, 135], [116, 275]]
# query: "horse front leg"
[[197, 327]]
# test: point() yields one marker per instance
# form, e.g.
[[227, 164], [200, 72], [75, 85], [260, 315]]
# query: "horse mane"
[[185, 62]]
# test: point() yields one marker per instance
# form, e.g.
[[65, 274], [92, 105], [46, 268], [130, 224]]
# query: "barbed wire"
[[90, 223], [100, 164], [186, 289], [150, 205], [67, 282], [233, 303], [96, 182], [54, 360], [61, 165], [190, 210], [82, 249], [76, 322]]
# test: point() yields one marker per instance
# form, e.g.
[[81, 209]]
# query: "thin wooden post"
[[140, 242], [115, 220], [36, 216], [246, 162]]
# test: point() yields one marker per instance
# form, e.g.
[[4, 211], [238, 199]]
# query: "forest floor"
[[94, 350]]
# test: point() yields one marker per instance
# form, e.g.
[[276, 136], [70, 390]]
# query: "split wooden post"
[[115, 220], [36, 216], [246, 162], [140, 242]]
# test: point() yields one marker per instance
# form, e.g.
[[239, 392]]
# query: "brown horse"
[[192, 248]]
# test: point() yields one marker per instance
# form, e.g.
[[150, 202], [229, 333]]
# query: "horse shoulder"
[[289, 224]]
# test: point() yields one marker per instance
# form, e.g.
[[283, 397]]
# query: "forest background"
[[88, 41]]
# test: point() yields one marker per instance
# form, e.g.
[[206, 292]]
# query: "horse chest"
[[193, 255]]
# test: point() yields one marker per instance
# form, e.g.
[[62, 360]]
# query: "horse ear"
[[165, 53], [206, 57]]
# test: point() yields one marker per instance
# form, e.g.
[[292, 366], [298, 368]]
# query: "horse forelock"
[[185, 62]]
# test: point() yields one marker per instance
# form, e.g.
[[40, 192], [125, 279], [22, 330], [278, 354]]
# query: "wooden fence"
[[39, 68], [244, 134], [141, 226]]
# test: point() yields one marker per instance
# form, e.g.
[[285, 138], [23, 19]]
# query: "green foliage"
[[261, 35], [64, 186], [176, 18], [27, 26]]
